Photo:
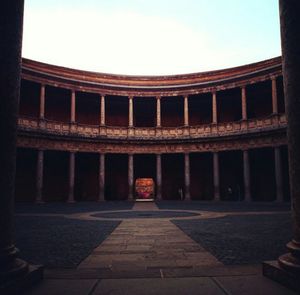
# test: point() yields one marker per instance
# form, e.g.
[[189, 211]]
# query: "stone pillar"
[[101, 196], [14, 272], [247, 179], [287, 271], [278, 175], [71, 177], [39, 176], [158, 112], [274, 96], [130, 112], [73, 107], [186, 111], [158, 177], [42, 102], [130, 177], [102, 111], [187, 177], [214, 108], [244, 103], [216, 176]]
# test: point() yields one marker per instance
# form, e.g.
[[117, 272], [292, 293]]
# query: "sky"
[[151, 37]]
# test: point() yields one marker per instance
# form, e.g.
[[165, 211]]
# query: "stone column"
[[42, 102], [216, 176], [73, 107], [14, 272], [214, 108], [102, 111], [278, 174], [274, 96], [130, 176], [71, 177], [158, 177], [187, 177], [158, 112], [130, 112], [247, 179], [287, 271], [244, 103], [101, 196], [39, 176], [186, 111]]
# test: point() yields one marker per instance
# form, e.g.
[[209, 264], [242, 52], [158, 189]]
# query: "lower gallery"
[[214, 136]]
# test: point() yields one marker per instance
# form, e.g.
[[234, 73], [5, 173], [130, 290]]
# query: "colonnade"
[[214, 110], [187, 176]]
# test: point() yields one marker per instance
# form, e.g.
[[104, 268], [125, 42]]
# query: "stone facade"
[[234, 110]]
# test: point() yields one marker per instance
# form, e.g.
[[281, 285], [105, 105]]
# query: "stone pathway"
[[148, 244], [146, 256]]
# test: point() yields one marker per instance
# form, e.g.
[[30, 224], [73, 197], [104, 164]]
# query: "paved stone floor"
[[147, 243], [153, 256]]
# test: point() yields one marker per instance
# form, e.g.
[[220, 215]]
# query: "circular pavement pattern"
[[145, 214]]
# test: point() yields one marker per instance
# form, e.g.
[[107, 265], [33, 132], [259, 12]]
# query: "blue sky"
[[151, 37]]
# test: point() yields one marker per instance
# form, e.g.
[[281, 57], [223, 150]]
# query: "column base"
[[273, 271], [20, 278]]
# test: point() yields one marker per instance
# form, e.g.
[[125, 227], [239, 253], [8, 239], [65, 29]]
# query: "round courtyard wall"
[[218, 135]]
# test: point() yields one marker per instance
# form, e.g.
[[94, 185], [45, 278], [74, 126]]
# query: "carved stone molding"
[[239, 143]]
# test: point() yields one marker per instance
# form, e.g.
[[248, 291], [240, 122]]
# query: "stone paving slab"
[[147, 206], [177, 272], [148, 243], [190, 286], [229, 285], [257, 285], [63, 287]]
